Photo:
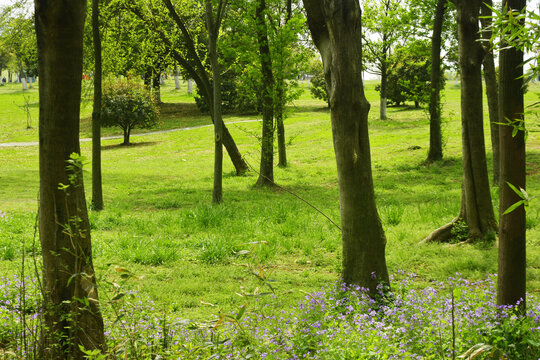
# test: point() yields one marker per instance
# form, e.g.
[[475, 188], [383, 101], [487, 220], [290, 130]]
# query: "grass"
[[159, 223]]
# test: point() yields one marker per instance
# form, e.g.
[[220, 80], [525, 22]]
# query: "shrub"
[[128, 104], [318, 83]]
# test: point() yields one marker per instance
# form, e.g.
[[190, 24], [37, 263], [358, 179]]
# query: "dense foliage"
[[318, 84], [128, 104], [409, 74]]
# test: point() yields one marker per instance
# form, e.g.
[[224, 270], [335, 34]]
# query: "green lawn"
[[159, 223]]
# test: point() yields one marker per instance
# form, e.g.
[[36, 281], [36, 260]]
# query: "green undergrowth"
[[159, 223]]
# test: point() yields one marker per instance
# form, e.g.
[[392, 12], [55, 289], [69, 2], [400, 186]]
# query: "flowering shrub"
[[429, 322]]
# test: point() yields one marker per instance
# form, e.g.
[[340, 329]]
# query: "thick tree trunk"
[[266, 173], [435, 137], [336, 30], [490, 77], [68, 273], [511, 282], [213, 31], [97, 188], [127, 132], [384, 88], [476, 208]]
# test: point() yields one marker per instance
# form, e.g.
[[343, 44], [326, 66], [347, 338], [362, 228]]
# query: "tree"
[[336, 29], [386, 23], [128, 105], [490, 77], [476, 208], [213, 24], [318, 84], [435, 152], [511, 281], [71, 305], [97, 188], [266, 172]]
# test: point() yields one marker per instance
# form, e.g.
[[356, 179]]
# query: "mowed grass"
[[159, 223]]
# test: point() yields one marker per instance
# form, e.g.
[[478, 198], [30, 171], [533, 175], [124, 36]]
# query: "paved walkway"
[[36, 143]]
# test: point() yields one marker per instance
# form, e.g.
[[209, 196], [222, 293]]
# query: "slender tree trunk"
[[68, 272], [490, 77], [266, 174], [384, 88], [435, 136], [511, 282], [336, 29], [156, 85], [176, 79], [97, 188], [213, 31], [476, 208], [280, 98], [127, 132]]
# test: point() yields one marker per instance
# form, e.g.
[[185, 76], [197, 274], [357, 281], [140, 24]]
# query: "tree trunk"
[[336, 29], [490, 77], [64, 229], [266, 173], [384, 87], [281, 102], [156, 85], [511, 282], [435, 137], [476, 208], [97, 188], [176, 79], [127, 132], [213, 33]]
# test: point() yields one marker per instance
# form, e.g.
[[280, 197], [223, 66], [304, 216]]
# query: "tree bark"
[[336, 29], [435, 137], [511, 282], [476, 208], [490, 77], [68, 272], [212, 26], [266, 173], [97, 187]]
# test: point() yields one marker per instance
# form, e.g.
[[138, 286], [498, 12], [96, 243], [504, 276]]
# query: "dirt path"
[[36, 143]]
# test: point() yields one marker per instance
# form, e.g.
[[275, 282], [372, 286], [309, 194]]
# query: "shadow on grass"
[[131, 145]]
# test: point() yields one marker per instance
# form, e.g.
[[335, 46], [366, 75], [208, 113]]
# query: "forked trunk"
[[335, 26], [71, 312]]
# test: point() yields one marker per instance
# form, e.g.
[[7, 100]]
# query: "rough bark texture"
[[435, 137], [198, 72], [213, 31], [266, 172], [476, 208], [97, 188], [64, 229], [512, 245], [336, 30], [490, 77]]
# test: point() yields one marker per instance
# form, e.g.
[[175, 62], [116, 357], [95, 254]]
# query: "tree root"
[[442, 234]]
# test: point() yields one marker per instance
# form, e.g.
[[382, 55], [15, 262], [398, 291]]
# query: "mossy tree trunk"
[[68, 272], [336, 29]]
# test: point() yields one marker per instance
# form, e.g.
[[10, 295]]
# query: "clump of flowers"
[[442, 320]]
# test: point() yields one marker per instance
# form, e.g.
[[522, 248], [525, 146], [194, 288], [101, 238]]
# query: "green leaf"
[[519, 193], [513, 207], [241, 312]]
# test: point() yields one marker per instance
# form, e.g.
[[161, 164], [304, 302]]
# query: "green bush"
[[318, 83], [128, 105]]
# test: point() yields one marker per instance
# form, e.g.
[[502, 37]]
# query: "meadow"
[[161, 240]]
